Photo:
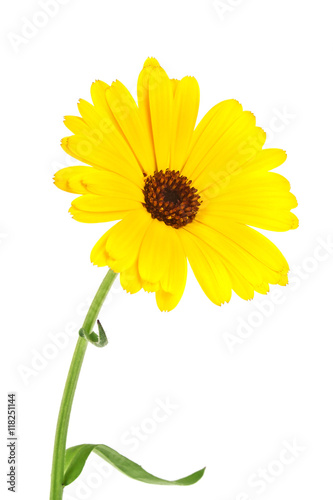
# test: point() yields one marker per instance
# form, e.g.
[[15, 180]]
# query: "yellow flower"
[[180, 193]]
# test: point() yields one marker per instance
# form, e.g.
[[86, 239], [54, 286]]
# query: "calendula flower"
[[179, 192]]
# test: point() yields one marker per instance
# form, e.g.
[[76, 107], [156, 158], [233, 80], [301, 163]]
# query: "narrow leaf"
[[102, 338], [97, 340], [77, 455]]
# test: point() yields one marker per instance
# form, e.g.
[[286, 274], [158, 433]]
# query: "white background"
[[234, 408]]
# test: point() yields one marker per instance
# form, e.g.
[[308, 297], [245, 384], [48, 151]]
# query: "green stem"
[[59, 451]]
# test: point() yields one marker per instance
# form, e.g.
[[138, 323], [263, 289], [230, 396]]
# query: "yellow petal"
[[150, 287], [143, 86], [98, 255], [94, 120], [167, 301], [125, 239], [130, 279], [186, 106], [143, 96], [129, 119], [104, 128], [76, 124], [95, 217], [174, 279], [229, 140], [241, 286], [248, 185], [94, 208], [174, 84], [265, 160], [207, 267], [271, 220], [217, 272], [209, 131], [241, 142], [97, 203], [69, 179], [89, 180], [154, 258], [151, 61], [229, 250], [103, 156], [245, 255], [98, 95], [261, 163], [241, 245], [260, 199], [160, 105]]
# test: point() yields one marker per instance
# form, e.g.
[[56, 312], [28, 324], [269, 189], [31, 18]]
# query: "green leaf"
[[77, 455], [97, 340]]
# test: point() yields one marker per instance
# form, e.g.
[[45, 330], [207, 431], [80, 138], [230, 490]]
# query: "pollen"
[[170, 198]]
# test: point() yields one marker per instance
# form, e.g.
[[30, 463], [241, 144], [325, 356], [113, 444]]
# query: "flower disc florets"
[[169, 197]]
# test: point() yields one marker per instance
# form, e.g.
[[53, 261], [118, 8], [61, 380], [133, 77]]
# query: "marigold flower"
[[180, 192]]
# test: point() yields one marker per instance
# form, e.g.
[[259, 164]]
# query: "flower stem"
[[59, 451]]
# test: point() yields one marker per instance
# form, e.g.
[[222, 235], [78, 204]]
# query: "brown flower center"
[[170, 198]]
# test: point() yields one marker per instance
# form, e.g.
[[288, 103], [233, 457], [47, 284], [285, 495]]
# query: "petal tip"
[[151, 61]]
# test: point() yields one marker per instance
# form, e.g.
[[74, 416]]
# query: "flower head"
[[179, 192]]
